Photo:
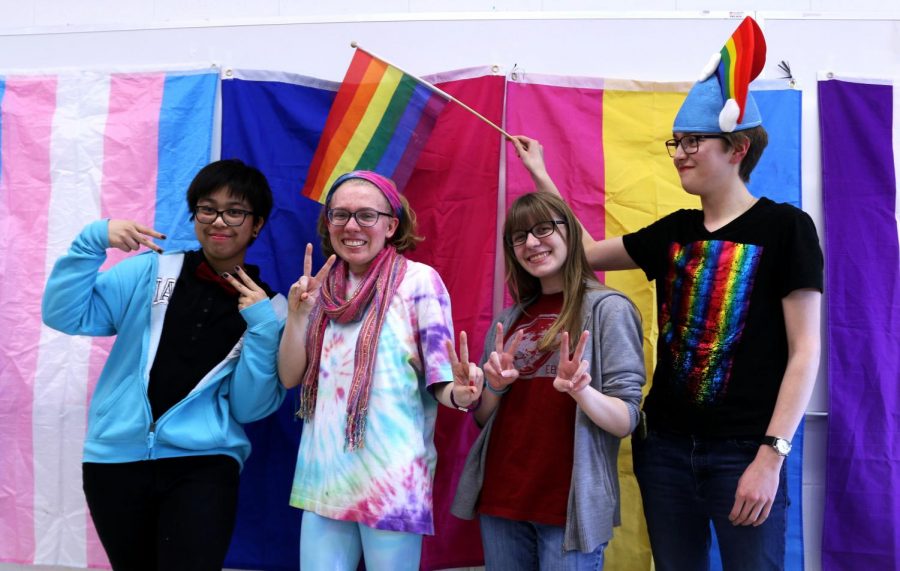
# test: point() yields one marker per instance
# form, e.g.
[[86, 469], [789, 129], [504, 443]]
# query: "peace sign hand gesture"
[[571, 373], [468, 378], [304, 292], [248, 290], [129, 236], [499, 368]]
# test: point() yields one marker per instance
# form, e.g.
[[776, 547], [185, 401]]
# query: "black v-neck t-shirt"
[[722, 345]]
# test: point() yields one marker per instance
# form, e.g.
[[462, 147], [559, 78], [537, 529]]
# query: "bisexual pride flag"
[[604, 145], [76, 147], [380, 121]]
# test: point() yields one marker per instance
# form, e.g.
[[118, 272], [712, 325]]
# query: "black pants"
[[171, 514]]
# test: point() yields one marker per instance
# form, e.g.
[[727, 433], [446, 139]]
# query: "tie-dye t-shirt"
[[722, 346], [386, 484]]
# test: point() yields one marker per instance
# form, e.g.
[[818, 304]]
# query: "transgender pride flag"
[[75, 147], [860, 134]]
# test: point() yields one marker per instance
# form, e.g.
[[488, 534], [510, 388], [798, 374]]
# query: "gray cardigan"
[[617, 369]]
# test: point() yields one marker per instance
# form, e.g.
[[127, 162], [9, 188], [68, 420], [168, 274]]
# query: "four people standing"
[[369, 341]]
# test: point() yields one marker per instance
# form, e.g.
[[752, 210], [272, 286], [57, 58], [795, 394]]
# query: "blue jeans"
[[686, 482], [511, 545], [333, 545]]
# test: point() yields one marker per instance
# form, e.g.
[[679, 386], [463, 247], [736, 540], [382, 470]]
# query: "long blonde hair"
[[578, 278]]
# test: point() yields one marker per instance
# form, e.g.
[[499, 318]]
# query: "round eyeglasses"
[[365, 217], [690, 144], [230, 216], [539, 230]]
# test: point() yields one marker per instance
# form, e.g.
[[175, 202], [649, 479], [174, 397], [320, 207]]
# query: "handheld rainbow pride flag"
[[740, 61], [380, 121]]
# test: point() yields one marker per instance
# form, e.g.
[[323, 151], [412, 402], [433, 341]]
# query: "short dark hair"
[[758, 138], [242, 181]]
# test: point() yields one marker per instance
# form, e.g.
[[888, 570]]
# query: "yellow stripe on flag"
[[641, 187], [368, 124]]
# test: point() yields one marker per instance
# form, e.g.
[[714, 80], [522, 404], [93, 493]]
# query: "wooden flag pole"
[[439, 91]]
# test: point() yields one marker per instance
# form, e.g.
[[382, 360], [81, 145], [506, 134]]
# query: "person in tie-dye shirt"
[[369, 339]]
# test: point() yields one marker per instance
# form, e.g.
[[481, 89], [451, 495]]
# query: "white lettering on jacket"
[[164, 289]]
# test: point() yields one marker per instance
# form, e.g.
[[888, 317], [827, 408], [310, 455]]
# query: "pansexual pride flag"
[[75, 147], [380, 121], [860, 135], [741, 60], [604, 144]]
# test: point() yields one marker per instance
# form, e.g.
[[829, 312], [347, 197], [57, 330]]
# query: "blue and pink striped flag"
[[860, 137], [75, 147]]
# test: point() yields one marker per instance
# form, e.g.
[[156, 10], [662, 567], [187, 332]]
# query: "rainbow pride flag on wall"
[[380, 121], [76, 147]]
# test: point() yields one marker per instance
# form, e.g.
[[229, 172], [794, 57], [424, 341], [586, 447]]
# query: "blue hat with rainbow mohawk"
[[721, 101]]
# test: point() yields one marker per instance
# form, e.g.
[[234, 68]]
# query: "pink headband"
[[384, 184]]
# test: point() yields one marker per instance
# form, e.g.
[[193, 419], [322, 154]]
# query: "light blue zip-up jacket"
[[130, 301]]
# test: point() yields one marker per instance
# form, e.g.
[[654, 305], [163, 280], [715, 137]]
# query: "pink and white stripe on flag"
[[75, 147]]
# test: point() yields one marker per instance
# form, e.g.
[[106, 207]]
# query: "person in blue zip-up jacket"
[[194, 359]]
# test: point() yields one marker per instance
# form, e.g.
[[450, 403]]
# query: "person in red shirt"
[[542, 475]]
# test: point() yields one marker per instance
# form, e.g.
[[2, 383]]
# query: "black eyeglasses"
[[690, 144], [230, 216], [539, 230], [365, 217]]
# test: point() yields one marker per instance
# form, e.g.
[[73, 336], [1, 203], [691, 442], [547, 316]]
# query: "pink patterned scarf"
[[370, 303]]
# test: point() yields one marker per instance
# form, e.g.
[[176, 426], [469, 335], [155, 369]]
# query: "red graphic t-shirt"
[[529, 458]]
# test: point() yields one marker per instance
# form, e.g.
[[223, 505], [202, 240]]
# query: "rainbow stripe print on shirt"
[[708, 290]]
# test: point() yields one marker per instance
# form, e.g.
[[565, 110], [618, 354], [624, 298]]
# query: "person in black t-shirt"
[[739, 297]]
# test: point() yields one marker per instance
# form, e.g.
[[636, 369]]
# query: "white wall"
[[669, 40]]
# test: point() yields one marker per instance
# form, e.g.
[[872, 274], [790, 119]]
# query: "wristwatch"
[[782, 447]]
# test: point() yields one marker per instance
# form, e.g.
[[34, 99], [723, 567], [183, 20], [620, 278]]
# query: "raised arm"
[[292, 358], [607, 254], [78, 298]]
